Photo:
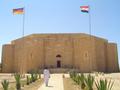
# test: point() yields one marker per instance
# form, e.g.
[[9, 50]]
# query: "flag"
[[18, 11], [84, 9]]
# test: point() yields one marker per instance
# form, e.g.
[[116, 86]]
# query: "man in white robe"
[[46, 76]]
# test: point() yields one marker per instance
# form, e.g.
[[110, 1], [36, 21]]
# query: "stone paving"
[[55, 83]]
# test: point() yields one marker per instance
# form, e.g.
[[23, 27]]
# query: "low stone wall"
[[60, 70]]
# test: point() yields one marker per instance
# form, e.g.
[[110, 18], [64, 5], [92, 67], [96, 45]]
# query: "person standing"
[[46, 73]]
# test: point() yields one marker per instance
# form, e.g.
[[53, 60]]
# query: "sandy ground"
[[6, 76]]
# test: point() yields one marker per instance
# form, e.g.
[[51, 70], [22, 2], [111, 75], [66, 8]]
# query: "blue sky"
[[60, 16]]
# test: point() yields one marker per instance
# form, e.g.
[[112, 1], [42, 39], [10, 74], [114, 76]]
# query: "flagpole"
[[23, 32], [23, 21], [89, 20], [90, 34]]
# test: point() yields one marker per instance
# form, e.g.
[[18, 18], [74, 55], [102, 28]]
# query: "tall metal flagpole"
[[23, 21], [90, 33], [89, 20], [23, 31]]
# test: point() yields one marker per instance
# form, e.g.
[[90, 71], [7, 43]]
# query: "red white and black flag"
[[18, 11], [84, 9]]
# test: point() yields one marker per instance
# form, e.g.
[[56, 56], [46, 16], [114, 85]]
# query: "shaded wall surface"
[[112, 60], [8, 58], [80, 51]]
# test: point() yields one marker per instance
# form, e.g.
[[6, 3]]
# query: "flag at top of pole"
[[18, 11], [84, 9], [21, 11]]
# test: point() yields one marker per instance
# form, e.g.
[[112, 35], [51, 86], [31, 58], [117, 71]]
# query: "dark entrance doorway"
[[58, 57], [58, 64]]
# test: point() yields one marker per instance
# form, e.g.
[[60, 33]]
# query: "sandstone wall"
[[7, 58], [84, 53], [58, 45], [101, 55], [19, 62], [29, 54], [112, 61]]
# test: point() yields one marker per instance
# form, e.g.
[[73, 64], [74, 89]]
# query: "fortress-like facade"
[[80, 51]]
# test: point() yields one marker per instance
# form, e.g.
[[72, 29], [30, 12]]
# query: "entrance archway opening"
[[58, 56], [58, 60]]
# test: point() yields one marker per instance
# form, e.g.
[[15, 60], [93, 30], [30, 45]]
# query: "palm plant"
[[81, 79], [18, 82], [78, 79], [104, 85], [32, 77], [89, 80], [39, 76], [72, 74], [35, 76], [5, 84], [28, 80]]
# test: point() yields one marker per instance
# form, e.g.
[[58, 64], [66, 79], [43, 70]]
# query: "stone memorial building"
[[75, 50]]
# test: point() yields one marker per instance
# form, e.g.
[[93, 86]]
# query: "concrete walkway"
[[55, 83]]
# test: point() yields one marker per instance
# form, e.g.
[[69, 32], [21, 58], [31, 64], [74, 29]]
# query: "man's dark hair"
[[46, 68]]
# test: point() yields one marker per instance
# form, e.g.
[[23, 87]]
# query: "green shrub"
[[5, 84], [28, 80], [39, 76], [104, 85], [89, 80], [82, 81], [72, 74], [35, 76], [32, 77], [18, 82], [78, 79]]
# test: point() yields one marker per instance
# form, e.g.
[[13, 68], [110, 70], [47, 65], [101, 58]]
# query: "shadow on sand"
[[49, 86]]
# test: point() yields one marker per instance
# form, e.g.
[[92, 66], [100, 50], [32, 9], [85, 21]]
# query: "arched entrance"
[[58, 60]]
